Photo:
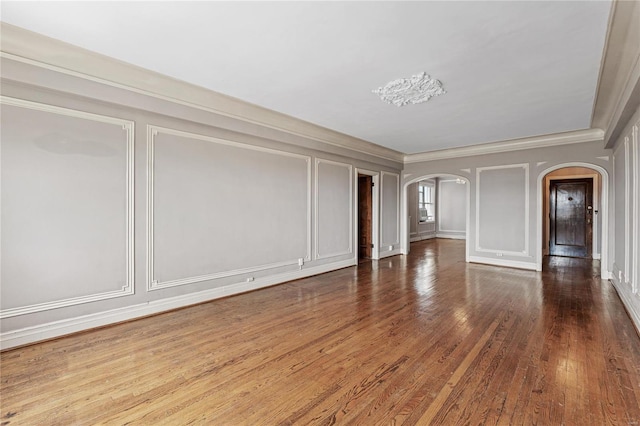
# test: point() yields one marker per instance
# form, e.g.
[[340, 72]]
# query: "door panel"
[[570, 214]]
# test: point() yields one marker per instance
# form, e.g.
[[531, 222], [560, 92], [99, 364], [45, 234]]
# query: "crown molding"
[[35, 49], [627, 103], [619, 78], [578, 136], [45, 52]]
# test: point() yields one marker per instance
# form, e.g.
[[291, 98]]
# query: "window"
[[426, 201]]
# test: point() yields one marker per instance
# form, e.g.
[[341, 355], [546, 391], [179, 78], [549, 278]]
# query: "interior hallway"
[[406, 340]]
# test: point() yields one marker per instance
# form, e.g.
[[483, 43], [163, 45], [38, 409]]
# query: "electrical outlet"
[[390, 248], [250, 279], [301, 261], [499, 254]]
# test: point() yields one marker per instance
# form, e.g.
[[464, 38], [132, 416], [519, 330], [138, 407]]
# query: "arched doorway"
[[572, 213], [424, 200]]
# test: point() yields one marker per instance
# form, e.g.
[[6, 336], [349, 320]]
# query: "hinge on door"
[[373, 184], [371, 245]]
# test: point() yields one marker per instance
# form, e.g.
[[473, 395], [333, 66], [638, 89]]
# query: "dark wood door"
[[364, 216], [570, 217]]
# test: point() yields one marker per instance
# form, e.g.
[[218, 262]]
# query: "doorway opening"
[[365, 217], [436, 206], [572, 216]]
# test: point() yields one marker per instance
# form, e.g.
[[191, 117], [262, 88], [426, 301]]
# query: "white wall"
[[452, 208], [390, 214], [111, 212], [625, 273]]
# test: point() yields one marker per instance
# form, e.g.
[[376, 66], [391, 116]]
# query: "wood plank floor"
[[418, 339]]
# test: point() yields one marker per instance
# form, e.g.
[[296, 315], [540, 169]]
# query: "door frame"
[[375, 212], [595, 200], [604, 209], [587, 184]]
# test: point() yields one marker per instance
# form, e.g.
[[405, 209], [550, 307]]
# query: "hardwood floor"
[[418, 339]]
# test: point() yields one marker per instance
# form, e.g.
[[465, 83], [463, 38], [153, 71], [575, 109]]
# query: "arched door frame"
[[404, 228], [604, 211]]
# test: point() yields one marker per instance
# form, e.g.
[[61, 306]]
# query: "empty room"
[[335, 212]]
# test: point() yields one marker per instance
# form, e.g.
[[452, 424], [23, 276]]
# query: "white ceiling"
[[511, 69]]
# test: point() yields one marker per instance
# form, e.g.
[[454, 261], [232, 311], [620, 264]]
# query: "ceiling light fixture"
[[415, 90]]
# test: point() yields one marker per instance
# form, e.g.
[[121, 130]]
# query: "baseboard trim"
[[390, 253], [626, 301], [422, 237], [451, 236], [28, 335], [507, 263]]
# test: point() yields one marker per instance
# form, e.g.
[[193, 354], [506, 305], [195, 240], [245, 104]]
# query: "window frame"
[[425, 202]]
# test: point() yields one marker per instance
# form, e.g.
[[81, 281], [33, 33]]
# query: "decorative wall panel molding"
[[619, 199], [502, 203], [635, 231], [627, 211], [277, 190], [333, 222], [417, 89], [78, 144], [390, 209]]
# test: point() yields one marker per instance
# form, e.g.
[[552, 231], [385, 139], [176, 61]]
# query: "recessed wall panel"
[[66, 207], [390, 205], [219, 208], [334, 207], [452, 206], [502, 216], [412, 207]]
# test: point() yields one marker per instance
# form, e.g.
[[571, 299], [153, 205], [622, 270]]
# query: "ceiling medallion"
[[415, 90]]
